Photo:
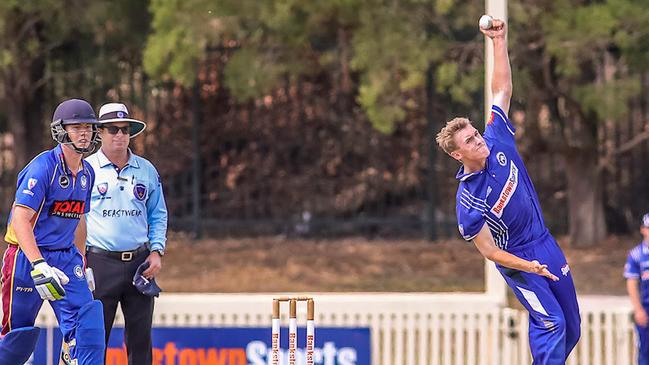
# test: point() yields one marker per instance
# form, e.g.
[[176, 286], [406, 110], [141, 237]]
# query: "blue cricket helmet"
[[73, 111]]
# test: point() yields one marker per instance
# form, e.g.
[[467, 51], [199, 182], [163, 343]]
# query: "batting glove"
[[49, 281]]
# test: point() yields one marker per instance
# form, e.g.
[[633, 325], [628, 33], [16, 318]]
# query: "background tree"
[[320, 75], [582, 62], [378, 55], [47, 55], [388, 47], [28, 33]]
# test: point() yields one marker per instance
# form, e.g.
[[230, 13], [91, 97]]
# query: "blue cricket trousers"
[[20, 300], [554, 327]]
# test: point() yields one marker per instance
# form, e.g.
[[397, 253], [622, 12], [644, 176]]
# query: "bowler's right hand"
[[49, 281], [497, 30]]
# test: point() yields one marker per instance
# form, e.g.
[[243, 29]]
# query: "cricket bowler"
[[498, 209]]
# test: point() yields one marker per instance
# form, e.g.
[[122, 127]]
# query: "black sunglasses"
[[113, 130]]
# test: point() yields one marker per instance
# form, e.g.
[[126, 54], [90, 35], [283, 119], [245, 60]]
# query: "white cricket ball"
[[486, 22]]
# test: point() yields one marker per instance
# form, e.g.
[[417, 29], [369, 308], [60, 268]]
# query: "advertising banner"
[[227, 346]]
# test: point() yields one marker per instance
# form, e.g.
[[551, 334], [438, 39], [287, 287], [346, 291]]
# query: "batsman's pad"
[[89, 342], [17, 346]]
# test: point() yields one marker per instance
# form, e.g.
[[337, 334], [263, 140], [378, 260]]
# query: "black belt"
[[119, 255]]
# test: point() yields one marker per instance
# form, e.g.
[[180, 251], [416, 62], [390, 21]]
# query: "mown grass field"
[[277, 264]]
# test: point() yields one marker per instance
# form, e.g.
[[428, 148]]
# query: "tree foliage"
[[580, 62], [29, 32], [584, 62], [388, 46], [53, 49]]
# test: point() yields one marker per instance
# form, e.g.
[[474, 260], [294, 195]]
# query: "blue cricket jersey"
[[637, 267], [47, 186], [127, 206], [502, 194]]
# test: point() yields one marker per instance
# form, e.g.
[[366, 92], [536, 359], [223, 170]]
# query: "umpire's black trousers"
[[114, 284]]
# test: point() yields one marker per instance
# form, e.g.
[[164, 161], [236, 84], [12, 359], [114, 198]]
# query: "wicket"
[[292, 329]]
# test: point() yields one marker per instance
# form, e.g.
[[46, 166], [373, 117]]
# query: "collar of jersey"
[[463, 177], [104, 161], [60, 160]]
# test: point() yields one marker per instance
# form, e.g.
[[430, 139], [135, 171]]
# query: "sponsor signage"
[[228, 346]]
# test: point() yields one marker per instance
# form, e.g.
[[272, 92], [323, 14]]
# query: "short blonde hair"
[[445, 138]]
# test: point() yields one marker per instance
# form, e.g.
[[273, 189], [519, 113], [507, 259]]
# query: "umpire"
[[127, 227]]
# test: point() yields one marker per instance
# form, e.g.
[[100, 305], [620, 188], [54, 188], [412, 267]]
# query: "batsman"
[[46, 235]]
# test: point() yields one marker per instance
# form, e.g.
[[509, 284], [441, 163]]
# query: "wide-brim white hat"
[[117, 112]]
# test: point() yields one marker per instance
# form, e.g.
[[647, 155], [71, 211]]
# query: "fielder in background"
[[46, 234], [127, 227], [637, 285], [498, 209]]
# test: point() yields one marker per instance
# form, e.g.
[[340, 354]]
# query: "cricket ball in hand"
[[486, 22]]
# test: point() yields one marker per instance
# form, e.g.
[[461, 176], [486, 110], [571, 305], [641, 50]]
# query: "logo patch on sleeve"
[[30, 185]]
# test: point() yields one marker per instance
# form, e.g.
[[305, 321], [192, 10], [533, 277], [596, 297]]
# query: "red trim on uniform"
[[8, 272]]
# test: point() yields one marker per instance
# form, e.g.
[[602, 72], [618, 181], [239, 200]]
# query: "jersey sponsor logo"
[[84, 182], [22, 289], [64, 181], [502, 160], [102, 188], [565, 269], [119, 213], [139, 191], [508, 190], [68, 208]]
